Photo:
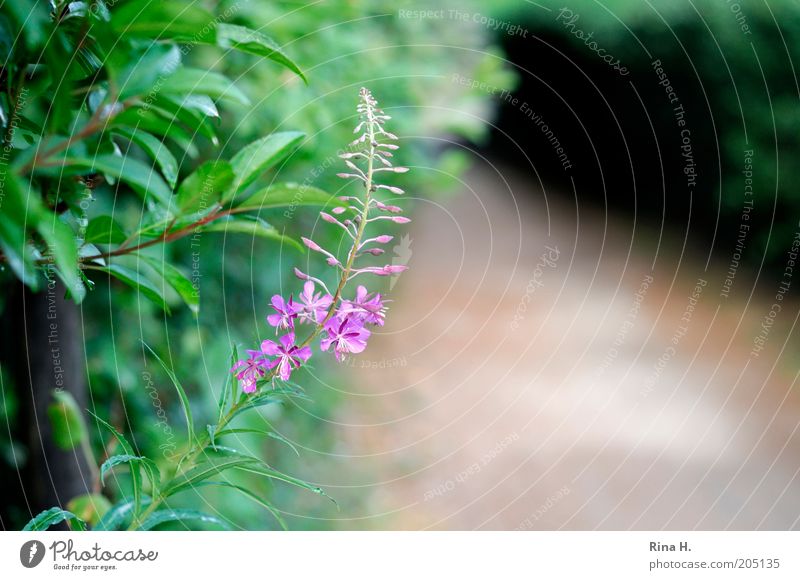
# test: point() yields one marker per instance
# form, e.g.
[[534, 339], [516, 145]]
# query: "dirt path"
[[574, 387]]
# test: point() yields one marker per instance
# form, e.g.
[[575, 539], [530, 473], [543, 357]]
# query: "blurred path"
[[517, 386]]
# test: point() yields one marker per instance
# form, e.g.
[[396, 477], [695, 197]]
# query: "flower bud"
[[392, 188], [389, 208], [311, 244]]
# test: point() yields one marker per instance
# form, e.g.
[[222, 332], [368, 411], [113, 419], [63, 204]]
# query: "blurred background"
[[597, 327]]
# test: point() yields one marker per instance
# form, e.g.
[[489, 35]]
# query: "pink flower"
[[346, 335], [288, 356], [314, 307], [252, 369], [285, 313], [367, 307]]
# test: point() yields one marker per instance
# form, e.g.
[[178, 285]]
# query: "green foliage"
[[121, 109], [198, 464], [66, 421], [129, 146], [346, 44]]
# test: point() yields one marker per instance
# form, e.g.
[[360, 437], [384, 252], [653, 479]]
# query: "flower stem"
[[196, 449]]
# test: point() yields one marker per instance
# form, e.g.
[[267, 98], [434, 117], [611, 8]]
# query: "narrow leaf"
[[256, 498], [127, 448], [180, 515], [51, 517], [213, 467], [271, 434], [274, 474], [119, 515], [187, 410], [176, 279]]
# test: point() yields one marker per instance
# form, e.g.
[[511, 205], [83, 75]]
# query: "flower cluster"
[[341, 324]]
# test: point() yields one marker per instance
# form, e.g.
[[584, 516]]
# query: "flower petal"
[[270, 348], [303, 353], [287, 340]]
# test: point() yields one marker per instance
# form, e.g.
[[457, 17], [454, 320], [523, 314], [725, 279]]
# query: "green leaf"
[[180, 283], [288, 195], [271, 434], [187, 410], [104, 230], [163, 20], [139, 176], [204, 187], [272, 396], [118, 515], [66, 421], [153, 120], [63, 250], [223, 451], [256, 498], [156, 149], [112, 462], [180, 515], [251, 225], [153, 473], [51, 517], [199, 103], [63, 72], [210, 468], [226, 390], [138, 282], [274, 474], [193, 111], [19, 201], [127, 448], [142, 72], [203, 82], [90, 507], [231, 36], [32, 20], [258, 156]]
